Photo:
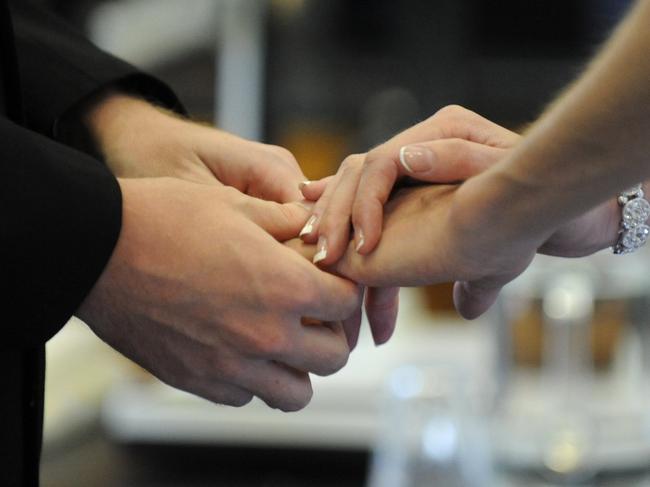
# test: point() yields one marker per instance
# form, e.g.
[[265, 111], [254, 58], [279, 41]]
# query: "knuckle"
[[283, 155], [275, 342], [383, 171], [451, 112], [306, 295], [292, 294], [374, 157], [457, 148], [289, 215], [233, 196], [351, 162]]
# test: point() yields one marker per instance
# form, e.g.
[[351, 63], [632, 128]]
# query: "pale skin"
[[592, 125], [200, 289], [138, 139], [553, 190]]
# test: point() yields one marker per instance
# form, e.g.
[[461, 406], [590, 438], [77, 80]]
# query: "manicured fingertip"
[[403, 161], [359, 239], [313, 190], [367, 219], [309, 226], [416, 158], [321, 250]]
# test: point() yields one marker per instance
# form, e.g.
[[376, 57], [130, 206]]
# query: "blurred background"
[[550, 388]]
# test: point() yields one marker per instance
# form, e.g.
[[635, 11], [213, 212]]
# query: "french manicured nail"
[[309, 226], [321, 252], [360, 240], [303, 185], [416, 158]]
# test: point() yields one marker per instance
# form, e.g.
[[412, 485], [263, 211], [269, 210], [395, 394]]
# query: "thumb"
[[283, 221], [313, 190], [447, 160]]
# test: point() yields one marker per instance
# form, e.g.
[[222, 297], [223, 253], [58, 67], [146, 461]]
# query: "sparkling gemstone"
[[632, 191], [636, 212], [635, 237]]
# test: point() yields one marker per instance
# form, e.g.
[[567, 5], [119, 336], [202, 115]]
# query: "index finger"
[[375, 185], [452, 122]]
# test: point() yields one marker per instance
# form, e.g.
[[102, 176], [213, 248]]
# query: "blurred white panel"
[[148, 32], [80, 369], [240, 82]]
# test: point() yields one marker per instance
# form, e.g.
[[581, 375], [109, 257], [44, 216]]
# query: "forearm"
[[593, 142]]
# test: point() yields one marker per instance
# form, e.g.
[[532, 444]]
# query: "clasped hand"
[[457, 229], [206, 290], [200, 289]]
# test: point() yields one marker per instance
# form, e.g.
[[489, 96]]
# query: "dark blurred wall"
[[344, 75]]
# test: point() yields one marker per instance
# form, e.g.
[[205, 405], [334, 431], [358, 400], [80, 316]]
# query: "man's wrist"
[[138, 139], [117, 117]]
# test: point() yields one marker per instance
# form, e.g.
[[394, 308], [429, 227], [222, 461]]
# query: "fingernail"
[[321, 250], [303, 185], [416, 158], [360, 240], [309, 226]]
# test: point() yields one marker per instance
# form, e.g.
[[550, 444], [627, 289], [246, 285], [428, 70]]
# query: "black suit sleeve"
[[60, 210], [59, 69], [61, 217]]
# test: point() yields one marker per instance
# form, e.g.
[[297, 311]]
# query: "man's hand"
[[200, 292], [140, 140]]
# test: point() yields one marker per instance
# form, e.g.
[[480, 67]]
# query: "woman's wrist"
[[506, 209]]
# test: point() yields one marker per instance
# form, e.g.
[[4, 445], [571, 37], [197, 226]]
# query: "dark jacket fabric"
[[60, 209]]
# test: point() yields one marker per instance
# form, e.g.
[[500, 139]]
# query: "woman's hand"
[[372, 177], [471, 145], [434, 234], [450, 146]]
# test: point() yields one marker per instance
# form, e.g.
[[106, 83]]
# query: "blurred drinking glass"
[[431, 433]]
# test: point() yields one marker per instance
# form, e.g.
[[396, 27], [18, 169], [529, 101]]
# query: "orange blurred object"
[[319, 149]]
